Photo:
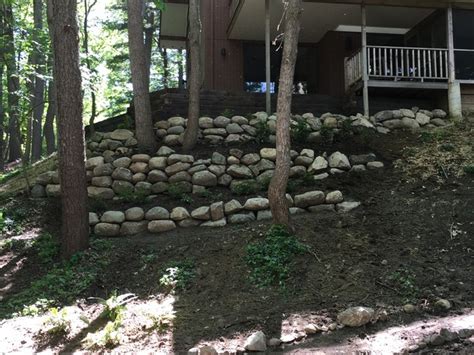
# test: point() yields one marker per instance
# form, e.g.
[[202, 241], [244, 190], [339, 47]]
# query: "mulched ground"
[[422, 229]]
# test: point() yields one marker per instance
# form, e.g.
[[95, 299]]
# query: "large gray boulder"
[[356, 316], [256, 204], [157, 213], [113, 217], [308, 199], [204, 178], [240, 172], [256, 342], [339, 161], [161, 226], [107, 229]]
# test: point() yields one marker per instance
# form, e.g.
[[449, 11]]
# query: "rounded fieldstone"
[[113, 217], [308, 199], [319, 164], [140, 158], [157, 213], [213, 224], [122, 174], [158, 163], [38, 191], [133, 228], [176, 121], [161, 226], [334, 197], [102, 181], [103, 193], [218, 158], [232, 206], [139, 167], [217, 170], [45, 178], [164, 151], [53, 190], [159, 187], [107, 229], [356, 316], [104, 170], [241, 218], [122, 187], [134, 214], [239, 171], [250, 159], [182, 176], [217, 210], [155, 176], [268, 153], [204, 178], [201, 213], [93, 218], [339, 161], [224, 180], [221, 121], [256, 204], [175, 130], [123, 162], [206, 122], [94, 162], [176, 168], [138, 177], [234, 128], [175, 158], [373, 165], [179, 214], [121, 134]]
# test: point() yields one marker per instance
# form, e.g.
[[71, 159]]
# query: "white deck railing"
[[398, 63]]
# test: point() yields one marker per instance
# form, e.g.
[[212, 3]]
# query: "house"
[[362, 50]]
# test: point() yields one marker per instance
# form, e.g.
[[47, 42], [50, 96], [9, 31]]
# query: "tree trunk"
[[85, 43], [14, 143], [140, 79], [164, 57], [72, 172], [38, 91], [48, 128], [149, 31], [194, 82], [278, 185], [180, 70], [2, 111]]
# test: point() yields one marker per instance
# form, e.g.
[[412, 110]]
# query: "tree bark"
[[48, 129], [164, 57], [2, 109], [277, 189], [85, 43], [149, 31], [72, 172], [13, 83], [140, 79], [180, 70], [194, 81], [38, 91]]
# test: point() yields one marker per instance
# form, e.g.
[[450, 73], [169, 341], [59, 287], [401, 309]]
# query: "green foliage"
[[300, 131], [262, 132], [57, 321], [63, 282], [447, 147], [327, 134], [469, 169], [404, 281], [115, 305], [47, 248], [178, 275], [12, 220], [244, 188], [228, 113], [347, 129], [270, 259], [108, 337], [160, 321], [132, 196], [180, 192]]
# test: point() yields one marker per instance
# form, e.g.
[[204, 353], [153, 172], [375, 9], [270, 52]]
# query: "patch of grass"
[[270, 259], [246, 187], [47, 248], [469, 169], [228, 113], [63, 282], [108, 337], [132, 196], [12, 220], [180, 192], [178, 275], [404, 281]]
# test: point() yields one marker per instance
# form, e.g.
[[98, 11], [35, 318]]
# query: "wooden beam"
[[365, 67], [407, 84], [268, 95], [436, 4], [450, 37]]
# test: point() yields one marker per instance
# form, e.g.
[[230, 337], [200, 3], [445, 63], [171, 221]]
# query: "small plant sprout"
[[108, 337], [115, 304], [160, 316], [57, 321], [177, 275]]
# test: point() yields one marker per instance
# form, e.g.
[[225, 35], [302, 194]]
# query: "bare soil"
[[420, 228]]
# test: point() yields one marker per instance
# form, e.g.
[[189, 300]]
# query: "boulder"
[[175, 130], [250, 159], [240, 120], [407, 113], [121, 134], [347, 206], [53, 190], [113, 217], [410, 123], [339, 161], [330, 122], [182, 176], [159, 187], [334, 197], [134, 214], [123, 162], [356, 316], [217, 211], [132, 228], [221, 121], [175, 158], [308, 199], [107, 229], [297, 171], [256, 204], [122, 174], [139, 167], [45, 178], [158, 163], [383, 116], [140, 158], [102, 181], [176, 121], [38, 191], [104, 170], [393, 124], [204, 178], [264, 215], [122, 187], [234, 128], [164, 151], [438, 122], [319, 164], [100, 193], [157, 213], [232, 206], [241, 218], [362, 158], [179, 214], [220, 223], [256, 342], [373, 165], [439, 114], [155, 176], [91, 163], [268, 153], [224, 180], [160, 226], [201, 213], [305, 161], [93, 218], [422, 118], [206, 122], [217, 170], [240, 172], [176, 168], [221, 132]]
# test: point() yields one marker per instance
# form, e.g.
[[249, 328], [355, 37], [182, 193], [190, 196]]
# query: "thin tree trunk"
[[180, 70], [14, 143], [164, 57], [38, 98], [140, 79], [149, 31], [72, 172], [2, 111], [194, 82], [87, 10], [48, 128], [277, 189]]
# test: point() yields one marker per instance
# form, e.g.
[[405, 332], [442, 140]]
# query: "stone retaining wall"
[[144, 175], [159, 220]]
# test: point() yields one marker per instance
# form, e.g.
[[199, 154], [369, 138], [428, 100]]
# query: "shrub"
[[108, 337], [180, 192], [327, 134], [132, 196], [177, 275], [262, 132], [47, 248], [270, 259], [57, 321], [300, 131], [246, 187], [228, 113], [469, 169]]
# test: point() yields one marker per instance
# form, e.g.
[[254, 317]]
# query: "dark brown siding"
[[223, 57], [332, 50]]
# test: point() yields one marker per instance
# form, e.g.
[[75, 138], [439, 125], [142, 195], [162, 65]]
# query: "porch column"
[[268, 97], [454, 88], [365, 74]]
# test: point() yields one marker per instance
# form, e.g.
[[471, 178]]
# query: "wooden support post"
[[454, 88], [268, 94], [365, 67]]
